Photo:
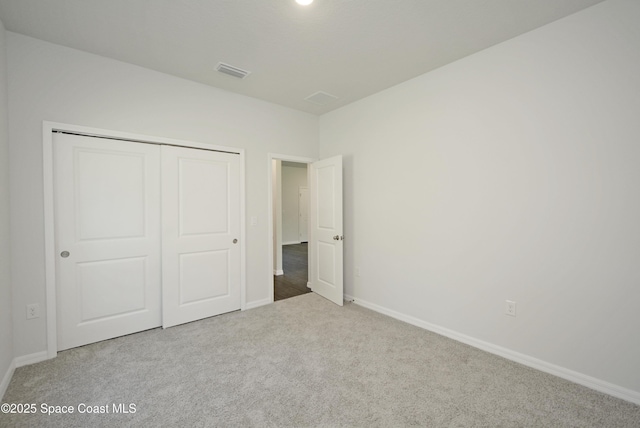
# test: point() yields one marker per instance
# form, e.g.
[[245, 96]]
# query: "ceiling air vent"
[[232, 71], [321, 98]]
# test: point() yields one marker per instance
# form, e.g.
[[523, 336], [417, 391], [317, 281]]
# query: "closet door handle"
[[65, 254]]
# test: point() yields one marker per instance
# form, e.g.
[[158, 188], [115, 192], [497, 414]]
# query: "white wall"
[[294, 176], [510, 174], [53, 83], [6, 311]]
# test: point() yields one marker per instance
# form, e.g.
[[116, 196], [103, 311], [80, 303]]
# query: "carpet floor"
[[301, 362]]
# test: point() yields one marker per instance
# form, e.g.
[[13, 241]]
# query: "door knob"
[[64, 254], [235, 241], [336, 238]]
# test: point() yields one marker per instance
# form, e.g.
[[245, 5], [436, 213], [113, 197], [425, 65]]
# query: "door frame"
[[48, 128], [270, 237]]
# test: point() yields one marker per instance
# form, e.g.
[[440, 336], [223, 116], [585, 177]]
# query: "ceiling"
[[346, 48]]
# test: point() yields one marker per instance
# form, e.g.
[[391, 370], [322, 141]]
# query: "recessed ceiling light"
[[304, 2]]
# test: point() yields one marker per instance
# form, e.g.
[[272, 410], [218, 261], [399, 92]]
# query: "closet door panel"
[[107, 215], [201, 234]]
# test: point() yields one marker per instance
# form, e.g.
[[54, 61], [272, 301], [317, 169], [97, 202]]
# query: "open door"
[[326, 243]]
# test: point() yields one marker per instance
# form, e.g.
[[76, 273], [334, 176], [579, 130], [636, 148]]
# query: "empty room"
[[461, 200]]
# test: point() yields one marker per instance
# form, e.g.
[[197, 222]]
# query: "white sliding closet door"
[[107, 217], [146, 235], [200, 235]]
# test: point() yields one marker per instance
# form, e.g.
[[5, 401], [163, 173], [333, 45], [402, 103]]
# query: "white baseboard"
[[257, 303], [573, 376], [36, 357], [291, 243], [278, 272], [6, 379]]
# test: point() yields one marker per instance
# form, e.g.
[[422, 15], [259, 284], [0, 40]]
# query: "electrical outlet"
[[33, 311], [510, 308]]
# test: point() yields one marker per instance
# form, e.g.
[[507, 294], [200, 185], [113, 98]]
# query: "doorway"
[[325, 247], [290, 212]]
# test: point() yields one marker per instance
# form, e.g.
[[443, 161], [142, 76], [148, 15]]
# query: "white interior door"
[[201, 234], [107, 217], [303, 214], [325, 249]]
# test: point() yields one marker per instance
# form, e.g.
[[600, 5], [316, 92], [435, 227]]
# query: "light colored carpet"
[[304, 362]]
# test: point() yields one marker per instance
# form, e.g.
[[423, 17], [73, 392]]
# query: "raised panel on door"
[[107, 215], [326, 243], [201, 234]]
